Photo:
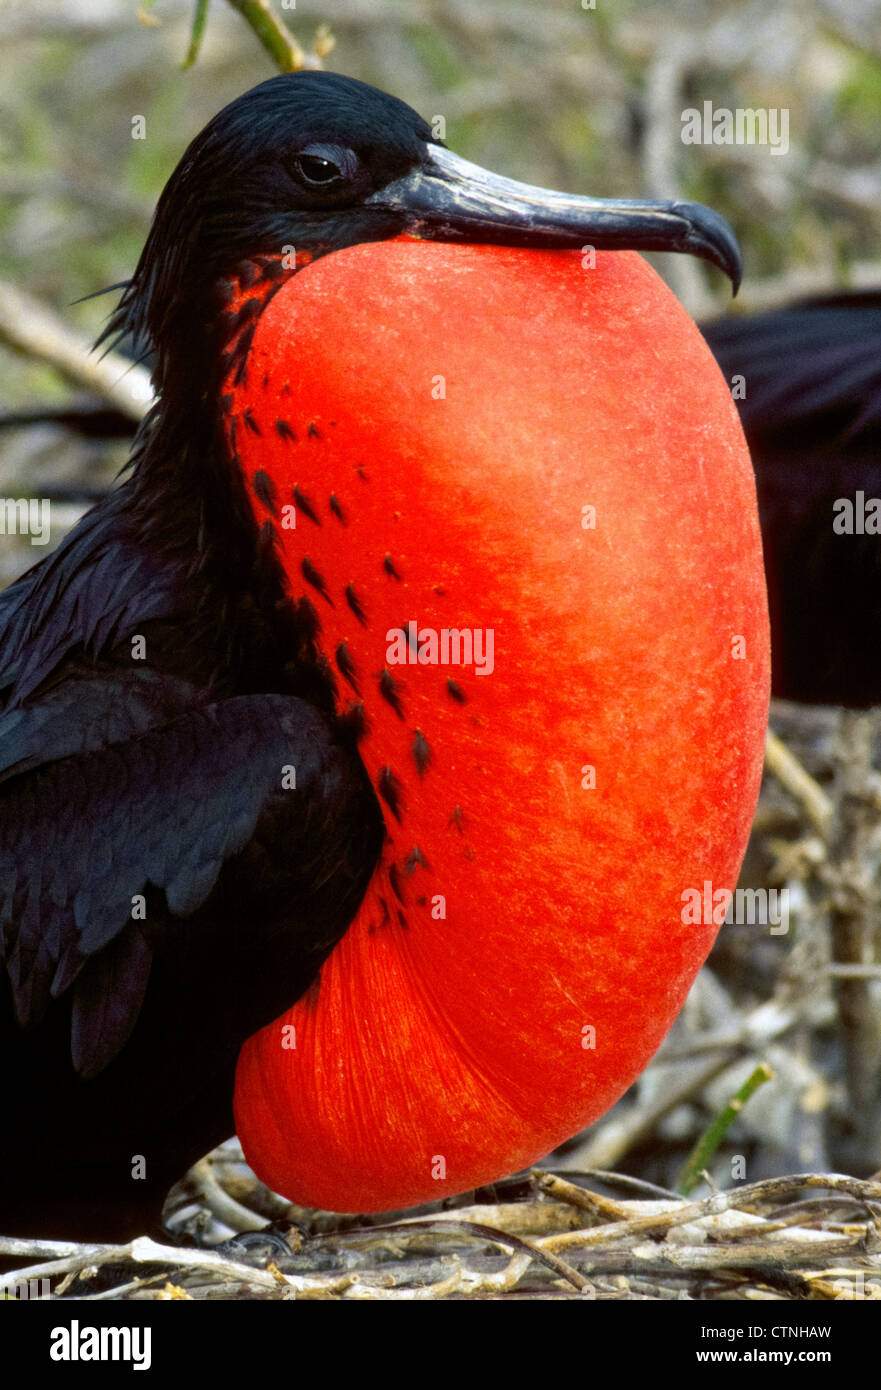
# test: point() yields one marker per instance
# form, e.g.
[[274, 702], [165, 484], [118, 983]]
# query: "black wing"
[[103, 851], [183, 841]]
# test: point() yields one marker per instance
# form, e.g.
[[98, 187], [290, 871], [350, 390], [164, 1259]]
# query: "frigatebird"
[[806, 379], [164, 892]]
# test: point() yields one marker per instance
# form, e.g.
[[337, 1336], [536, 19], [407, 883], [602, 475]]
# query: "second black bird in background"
[[807, 383]]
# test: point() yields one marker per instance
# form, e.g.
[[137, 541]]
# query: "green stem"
[[198, 30], [278, 41], [715, 1132]]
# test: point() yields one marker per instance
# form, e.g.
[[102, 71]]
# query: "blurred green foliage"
[[547, 91]]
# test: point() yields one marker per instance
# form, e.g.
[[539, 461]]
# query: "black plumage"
[[156, 682], [157, 708]]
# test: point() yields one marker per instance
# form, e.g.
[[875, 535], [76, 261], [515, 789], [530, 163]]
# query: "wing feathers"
[[81, 837]]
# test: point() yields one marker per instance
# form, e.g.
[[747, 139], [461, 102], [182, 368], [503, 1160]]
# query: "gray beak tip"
[[711, 238]]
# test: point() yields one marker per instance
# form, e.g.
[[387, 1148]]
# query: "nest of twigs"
[[546, 1236]]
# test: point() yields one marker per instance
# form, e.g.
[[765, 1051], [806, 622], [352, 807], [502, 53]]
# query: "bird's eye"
[[322, 166], [317, 170]]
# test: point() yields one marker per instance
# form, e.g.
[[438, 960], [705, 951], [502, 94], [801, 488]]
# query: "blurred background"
[[572, 97]]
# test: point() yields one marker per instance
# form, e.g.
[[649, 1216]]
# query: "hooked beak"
[[447, 198]]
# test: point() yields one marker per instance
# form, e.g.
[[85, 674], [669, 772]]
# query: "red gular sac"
[[512, 488]]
